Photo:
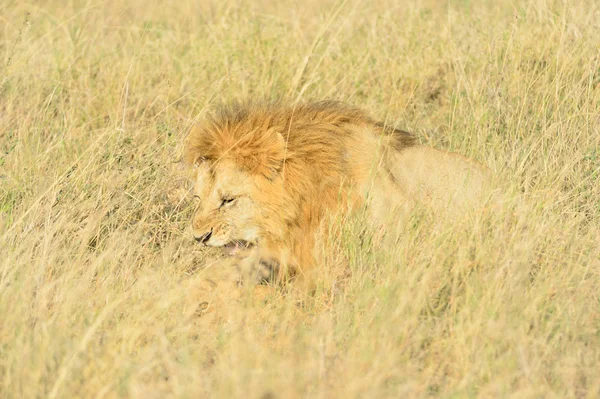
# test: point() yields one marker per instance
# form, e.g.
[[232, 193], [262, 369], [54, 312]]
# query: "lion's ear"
[[275, 156], [198, 161], [195, 146]]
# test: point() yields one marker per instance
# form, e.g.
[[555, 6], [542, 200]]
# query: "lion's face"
[[226, 213]]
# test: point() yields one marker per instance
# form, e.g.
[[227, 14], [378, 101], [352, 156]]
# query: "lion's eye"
[[227, 200]]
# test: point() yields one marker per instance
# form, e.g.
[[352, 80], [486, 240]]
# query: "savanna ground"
[[103, 292]]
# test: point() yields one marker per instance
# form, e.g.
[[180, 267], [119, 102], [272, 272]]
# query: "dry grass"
[[104, 294]]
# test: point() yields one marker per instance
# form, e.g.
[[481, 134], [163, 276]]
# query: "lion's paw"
[[257, 267]]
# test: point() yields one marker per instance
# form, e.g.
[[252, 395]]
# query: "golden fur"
[[267, 174]]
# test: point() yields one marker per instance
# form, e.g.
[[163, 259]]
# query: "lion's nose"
[[204, 237]]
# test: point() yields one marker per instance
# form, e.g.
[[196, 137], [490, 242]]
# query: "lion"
[[267, 174]]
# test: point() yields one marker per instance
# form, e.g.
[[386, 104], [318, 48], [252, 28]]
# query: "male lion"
[[267, 174]]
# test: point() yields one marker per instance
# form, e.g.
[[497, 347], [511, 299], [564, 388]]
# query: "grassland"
[[103, 293]]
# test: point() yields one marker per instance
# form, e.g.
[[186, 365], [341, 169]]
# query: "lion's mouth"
[[235, 246]]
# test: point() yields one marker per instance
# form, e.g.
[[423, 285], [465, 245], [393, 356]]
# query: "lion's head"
[[226, 211], [238, 182]]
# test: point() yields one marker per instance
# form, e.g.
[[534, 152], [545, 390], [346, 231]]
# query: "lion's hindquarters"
[[440, 179]]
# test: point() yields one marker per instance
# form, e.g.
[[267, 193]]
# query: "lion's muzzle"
[[203, 238]]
